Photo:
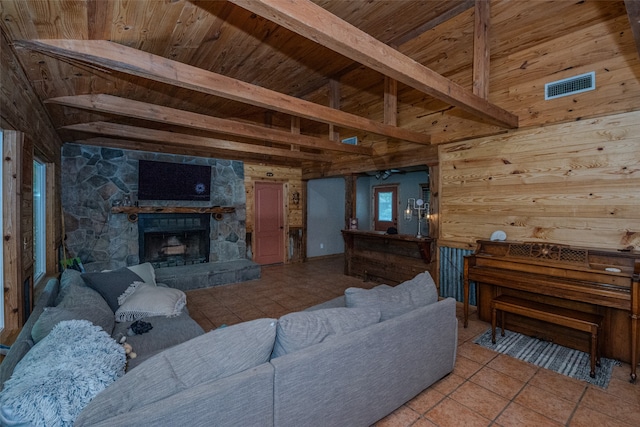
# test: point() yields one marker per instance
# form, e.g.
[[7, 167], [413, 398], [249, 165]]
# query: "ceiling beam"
[[109, 55], [633, 12], [157, 113], [160, 136], [183, 149], [317, 24]]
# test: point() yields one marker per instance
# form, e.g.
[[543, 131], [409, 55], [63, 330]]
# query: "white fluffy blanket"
[[60, 375]]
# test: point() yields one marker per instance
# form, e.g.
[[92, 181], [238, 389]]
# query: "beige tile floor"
[[485, 388]]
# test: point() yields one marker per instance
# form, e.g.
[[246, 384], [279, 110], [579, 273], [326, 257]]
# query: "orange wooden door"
[[269, 223]]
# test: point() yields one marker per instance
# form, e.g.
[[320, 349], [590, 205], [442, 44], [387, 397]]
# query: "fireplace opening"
[[167, 240]]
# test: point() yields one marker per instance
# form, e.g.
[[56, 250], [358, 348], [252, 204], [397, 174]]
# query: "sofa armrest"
[[243, 399], [360, 377], [24, 342]]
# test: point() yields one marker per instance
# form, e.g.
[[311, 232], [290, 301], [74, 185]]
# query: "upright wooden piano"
[[604, 282]]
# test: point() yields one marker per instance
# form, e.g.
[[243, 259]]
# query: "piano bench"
[[574, 319]]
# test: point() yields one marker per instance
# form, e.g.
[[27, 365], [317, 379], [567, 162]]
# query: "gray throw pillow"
[[69, 276], [305, 328], [111, 284], [394, 301], [80, 303], [212, 356]]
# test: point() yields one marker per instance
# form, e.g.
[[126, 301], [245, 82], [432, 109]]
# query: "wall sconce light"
[[296, 198], [416, 205]]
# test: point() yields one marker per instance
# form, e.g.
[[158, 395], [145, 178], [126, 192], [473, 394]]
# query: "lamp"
[[417, 205], [408, 212], [296, 198]]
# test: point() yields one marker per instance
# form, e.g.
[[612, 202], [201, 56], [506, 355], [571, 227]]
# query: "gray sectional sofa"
[[348, 362]]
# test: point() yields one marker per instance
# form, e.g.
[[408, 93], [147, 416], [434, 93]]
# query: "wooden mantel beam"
[[157, 113], [164, 137], [109, 55], [315, 23]]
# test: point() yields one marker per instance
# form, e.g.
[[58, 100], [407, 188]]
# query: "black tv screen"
[[173, 181]]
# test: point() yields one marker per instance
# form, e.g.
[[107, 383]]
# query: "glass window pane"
[[39, 219], [385, 206]]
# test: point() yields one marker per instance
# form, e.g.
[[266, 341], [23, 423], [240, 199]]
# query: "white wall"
[[325, 209], [325, 216]]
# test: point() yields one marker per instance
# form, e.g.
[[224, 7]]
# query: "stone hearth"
[[196, 276]]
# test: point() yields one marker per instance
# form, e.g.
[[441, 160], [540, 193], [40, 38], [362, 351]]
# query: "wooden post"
[[390, 101], [334, 102], [481, 54], [349, 198]]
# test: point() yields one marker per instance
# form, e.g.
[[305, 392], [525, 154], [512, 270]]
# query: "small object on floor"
[[139, 327]]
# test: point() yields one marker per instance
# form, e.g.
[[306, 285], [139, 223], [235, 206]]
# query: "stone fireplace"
[[96, 179], [168, 240]]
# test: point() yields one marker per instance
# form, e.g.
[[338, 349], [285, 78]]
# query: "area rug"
[[566, 361]]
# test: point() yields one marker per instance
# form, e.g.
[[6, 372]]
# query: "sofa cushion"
[[394, 301], [60, 375], [146, 272], [299, 330], [166, 332], [215, 355], [111, 284], [142, 300], [80, 302], [69, 277]]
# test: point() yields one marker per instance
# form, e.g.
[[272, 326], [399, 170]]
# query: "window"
[[39, 220], [386, 207]]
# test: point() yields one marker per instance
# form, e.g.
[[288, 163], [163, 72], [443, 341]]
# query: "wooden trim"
[[12, 236], [105, 54], [317, 24], [51, 264]]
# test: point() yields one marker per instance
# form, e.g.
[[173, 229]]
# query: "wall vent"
[[351, 140], [570, 86]]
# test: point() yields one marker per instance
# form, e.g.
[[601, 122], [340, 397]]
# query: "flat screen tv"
[[173, 181]]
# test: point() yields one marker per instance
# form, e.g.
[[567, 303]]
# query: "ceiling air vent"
[[570, 86]]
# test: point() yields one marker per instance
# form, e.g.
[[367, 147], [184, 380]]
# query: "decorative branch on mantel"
[[133, 211]]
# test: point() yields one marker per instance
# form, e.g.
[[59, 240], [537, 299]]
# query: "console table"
[[388, 258]]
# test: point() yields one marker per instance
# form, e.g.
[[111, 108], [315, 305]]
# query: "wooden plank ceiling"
[[272, 81]]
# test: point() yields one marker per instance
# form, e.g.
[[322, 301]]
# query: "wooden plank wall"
[[21, 111], [524, 58], [575, 183], [291, 178]]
